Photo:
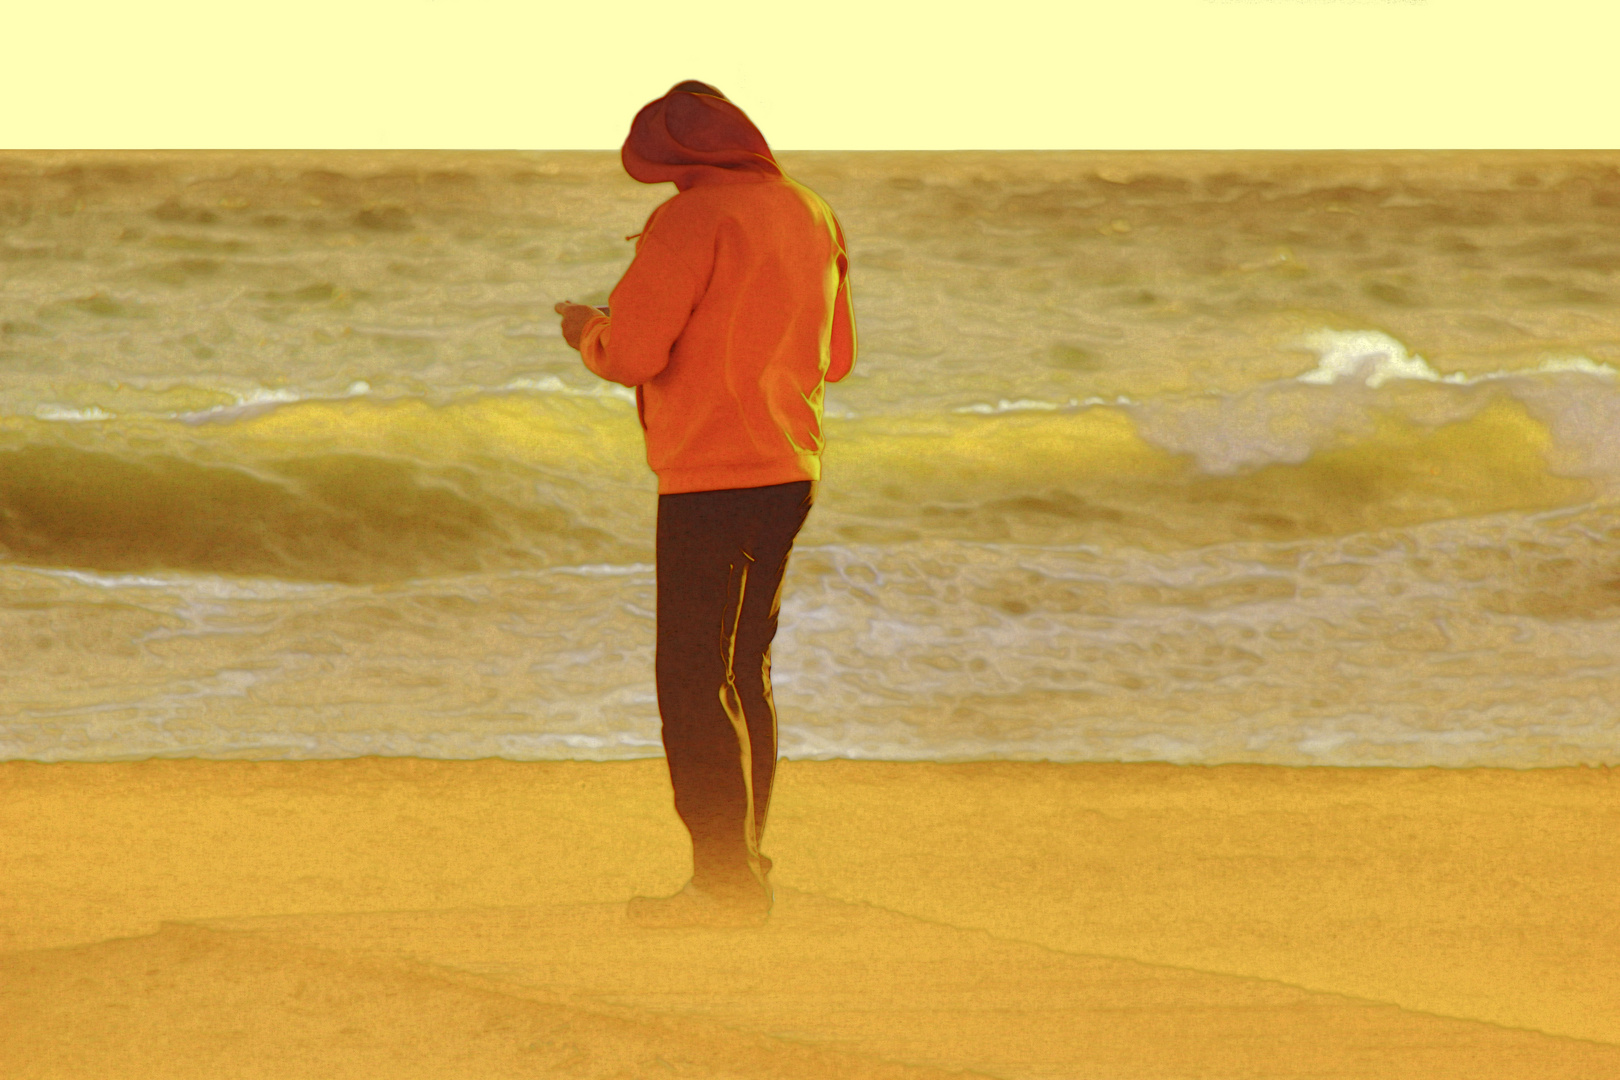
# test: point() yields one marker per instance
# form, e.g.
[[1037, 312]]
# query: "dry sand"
[[400, 918]]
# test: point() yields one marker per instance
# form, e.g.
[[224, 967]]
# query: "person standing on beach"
[[731, 318]]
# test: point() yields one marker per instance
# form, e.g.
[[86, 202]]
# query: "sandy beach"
[[397, 917]]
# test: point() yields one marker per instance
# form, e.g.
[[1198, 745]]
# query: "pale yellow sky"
[[839, 74]]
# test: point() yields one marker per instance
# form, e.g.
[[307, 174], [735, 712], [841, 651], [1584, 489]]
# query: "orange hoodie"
[[735, 310]]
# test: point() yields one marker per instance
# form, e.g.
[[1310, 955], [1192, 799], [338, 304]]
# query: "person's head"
[[692, 86], [692, 135]]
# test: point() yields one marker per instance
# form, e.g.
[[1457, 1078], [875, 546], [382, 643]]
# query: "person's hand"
[[574, 318]]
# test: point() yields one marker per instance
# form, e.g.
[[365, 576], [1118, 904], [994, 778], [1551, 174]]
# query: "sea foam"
[[1364, 378]]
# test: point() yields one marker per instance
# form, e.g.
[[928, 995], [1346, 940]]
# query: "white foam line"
[[604, 569], [259, 401], [1004, 405], [1374, 358], [551, 384], [209, 585], [63, 413]]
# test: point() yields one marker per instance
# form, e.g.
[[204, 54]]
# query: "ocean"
[[1286, 458]]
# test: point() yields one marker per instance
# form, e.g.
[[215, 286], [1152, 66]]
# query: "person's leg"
[[779, 518], [699, 553], [720, 561]]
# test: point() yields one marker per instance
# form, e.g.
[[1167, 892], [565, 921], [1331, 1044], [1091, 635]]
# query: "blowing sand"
[[402, 918]]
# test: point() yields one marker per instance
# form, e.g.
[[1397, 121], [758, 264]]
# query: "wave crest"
[[333, 517]]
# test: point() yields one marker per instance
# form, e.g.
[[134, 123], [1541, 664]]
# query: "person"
[[734, 313]]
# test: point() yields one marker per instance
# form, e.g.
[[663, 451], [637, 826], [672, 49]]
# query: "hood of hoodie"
[[688, 138]]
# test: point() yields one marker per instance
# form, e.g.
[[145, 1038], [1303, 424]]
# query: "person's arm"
[[843, 327], [650, 305], [575, 318]]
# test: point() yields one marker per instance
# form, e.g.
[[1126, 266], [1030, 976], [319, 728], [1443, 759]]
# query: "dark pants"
[[721, 555]]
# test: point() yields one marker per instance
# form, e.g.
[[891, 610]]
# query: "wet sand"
[[412, 918]]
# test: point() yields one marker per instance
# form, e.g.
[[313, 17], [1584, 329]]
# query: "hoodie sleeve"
[[843, 327], [650, 306]]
